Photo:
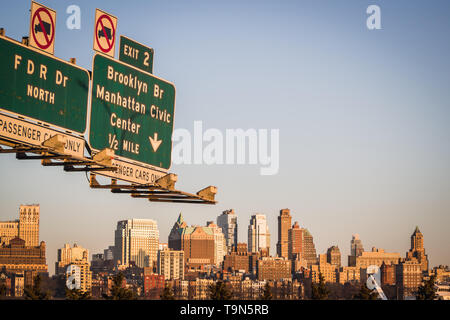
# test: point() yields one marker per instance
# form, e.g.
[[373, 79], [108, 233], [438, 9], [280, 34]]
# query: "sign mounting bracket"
[[163, 190], [49, 156]]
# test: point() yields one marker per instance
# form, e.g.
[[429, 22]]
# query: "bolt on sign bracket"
[[51, 153], [163, 190]]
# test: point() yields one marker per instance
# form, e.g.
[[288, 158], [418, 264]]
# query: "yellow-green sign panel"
[[132, 112], [39, 86]]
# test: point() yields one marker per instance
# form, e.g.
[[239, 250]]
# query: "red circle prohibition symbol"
[[48, 40], [113, 33]]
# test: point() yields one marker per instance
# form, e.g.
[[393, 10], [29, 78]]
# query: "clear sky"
[[363, 118]]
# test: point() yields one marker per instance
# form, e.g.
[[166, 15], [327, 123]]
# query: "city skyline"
[[345, 250], [196, 257], [362, 118]]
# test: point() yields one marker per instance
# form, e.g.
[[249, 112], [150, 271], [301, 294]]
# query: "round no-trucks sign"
[[105, 32], [42, 28]]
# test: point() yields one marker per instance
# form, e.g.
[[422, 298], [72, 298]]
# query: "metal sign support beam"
[[162, 191], [52, 154]]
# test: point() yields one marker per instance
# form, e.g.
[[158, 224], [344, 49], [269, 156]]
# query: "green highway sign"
[[39, 86], [136, 54], [132, 112]]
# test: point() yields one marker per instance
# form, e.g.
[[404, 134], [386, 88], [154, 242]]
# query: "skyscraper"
[[295, 242], [309, 249], [356, 246], [258, 234], [284, 224], [228, 222], [29, 224], [137, 241], [356, 250], [417, 249], [220, 247], [334, 256], [109, 253], [26, 227], [200, 244]]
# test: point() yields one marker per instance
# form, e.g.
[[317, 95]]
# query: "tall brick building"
[[408, 276], [309, 249], [284, 224], [295, 242], [26, 227], [16, 257], [198, 243], [356, 249], [417, 249]]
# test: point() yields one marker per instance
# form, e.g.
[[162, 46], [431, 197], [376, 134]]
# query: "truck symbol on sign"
[[47, 27], [108, 33]]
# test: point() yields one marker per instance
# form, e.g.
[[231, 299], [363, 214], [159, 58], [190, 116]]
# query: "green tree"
[[219, 291], [77, 294], [365, 294], [2, 289], [319, 291], [58, 286], [167, 293], [267, 293], [427, 290], [35, 292], [284, 291], [118, 292]]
